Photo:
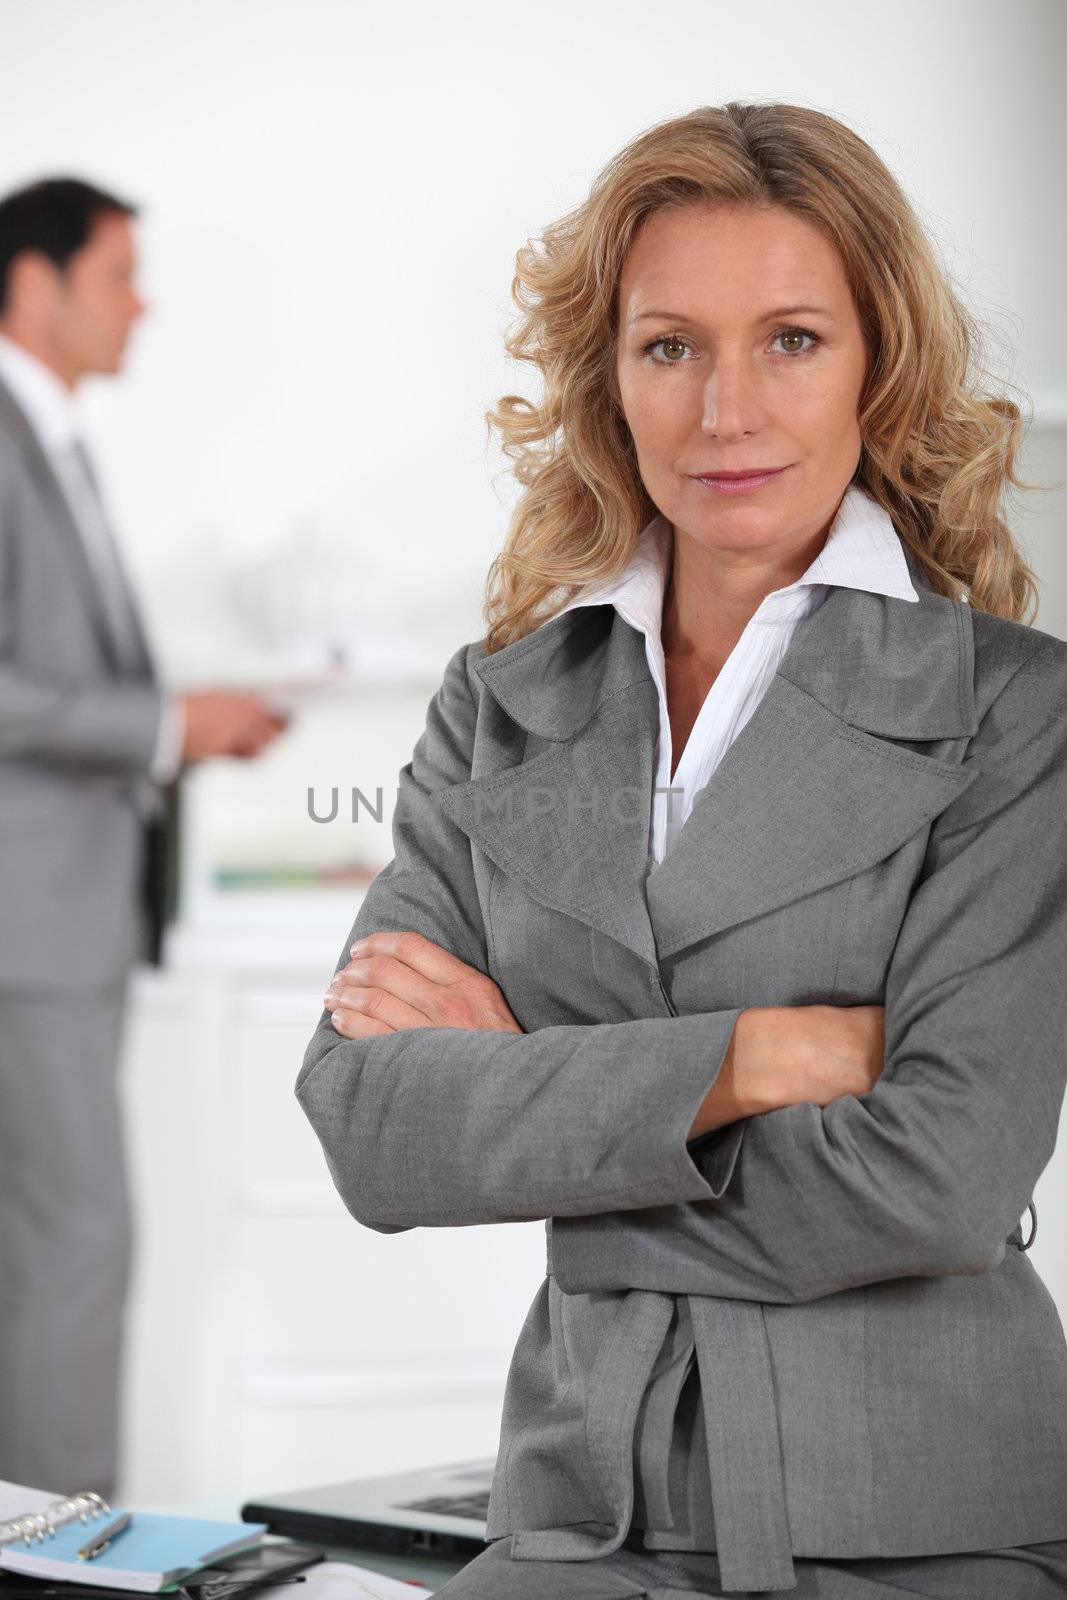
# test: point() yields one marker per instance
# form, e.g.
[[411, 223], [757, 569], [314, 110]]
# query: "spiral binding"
[[42, 1525]]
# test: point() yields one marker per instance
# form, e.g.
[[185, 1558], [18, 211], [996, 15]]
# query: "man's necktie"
[[131, 649], [129, 641]]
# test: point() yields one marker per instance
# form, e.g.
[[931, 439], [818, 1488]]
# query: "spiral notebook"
[[41, 1534]]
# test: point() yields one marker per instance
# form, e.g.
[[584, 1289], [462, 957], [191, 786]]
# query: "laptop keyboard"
[[452, 1505]]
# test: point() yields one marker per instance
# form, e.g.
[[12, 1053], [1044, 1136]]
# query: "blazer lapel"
[[812, 790], [571, 821]]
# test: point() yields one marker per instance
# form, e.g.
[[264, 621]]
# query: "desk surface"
[[433, 1573]]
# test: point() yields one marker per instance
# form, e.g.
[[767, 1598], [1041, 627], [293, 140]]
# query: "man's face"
[[94, 301]]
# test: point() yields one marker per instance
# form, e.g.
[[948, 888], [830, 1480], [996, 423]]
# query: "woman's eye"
[[671, 341], [675, 347], [797, 333]]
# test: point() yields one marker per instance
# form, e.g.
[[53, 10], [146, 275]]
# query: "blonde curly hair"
[[938, 448]]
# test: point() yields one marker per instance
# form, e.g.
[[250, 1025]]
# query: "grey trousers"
[[64, 1238], [1028, 1572]]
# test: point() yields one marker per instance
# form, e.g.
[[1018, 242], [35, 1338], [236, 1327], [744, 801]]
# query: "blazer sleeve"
[[105, 725], [449, 1126], [929, 1172], [111, 726]]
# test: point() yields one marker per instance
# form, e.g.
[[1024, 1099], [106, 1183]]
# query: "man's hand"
[[403, 980], [224, 722]]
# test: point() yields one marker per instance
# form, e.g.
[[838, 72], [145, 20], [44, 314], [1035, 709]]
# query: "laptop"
[[440, 1511]]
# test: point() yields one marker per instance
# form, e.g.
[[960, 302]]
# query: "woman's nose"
[[732, 404]]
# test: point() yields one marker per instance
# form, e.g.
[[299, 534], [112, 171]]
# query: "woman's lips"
[[738, 483]]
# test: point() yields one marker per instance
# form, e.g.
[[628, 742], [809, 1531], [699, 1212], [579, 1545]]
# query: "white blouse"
[[862, 551]]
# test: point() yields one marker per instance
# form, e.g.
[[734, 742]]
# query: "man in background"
[[88, 740]]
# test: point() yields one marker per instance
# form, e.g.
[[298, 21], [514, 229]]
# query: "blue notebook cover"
[[153, 1552]]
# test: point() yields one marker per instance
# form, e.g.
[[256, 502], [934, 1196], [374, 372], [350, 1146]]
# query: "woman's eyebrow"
[[780, 311]]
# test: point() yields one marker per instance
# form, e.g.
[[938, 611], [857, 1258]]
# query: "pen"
[[100, 1541]]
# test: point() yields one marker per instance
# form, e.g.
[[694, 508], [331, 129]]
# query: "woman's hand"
[[793, 1054], [786, 1055], [403, 980], [842, 1051]]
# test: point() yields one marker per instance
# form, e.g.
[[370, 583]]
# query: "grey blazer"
[[77, 732], [882, 1372]]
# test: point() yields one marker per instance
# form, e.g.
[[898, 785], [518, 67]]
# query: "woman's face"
[[739, 346]]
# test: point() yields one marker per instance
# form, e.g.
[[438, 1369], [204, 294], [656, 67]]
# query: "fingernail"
[[354, 949], [336, 1017]]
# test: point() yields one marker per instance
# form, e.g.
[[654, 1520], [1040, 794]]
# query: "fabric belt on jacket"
[[755, 1550], [741, 1425], [657, 1419]]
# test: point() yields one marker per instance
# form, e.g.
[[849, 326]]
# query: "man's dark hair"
[[54, 216]]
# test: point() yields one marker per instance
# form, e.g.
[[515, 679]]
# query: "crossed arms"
[[927, 1173]]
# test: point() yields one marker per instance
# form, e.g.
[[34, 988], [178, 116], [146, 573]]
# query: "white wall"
[[334, 193]]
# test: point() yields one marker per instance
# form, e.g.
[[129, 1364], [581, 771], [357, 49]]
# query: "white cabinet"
[[273, 1341]]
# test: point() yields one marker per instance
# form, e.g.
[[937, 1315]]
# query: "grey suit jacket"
[[77, 731], [882, 1372]]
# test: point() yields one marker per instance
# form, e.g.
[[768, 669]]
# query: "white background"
[[335, 191]]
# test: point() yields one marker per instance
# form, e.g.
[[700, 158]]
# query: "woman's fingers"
[[432, 982], [361, 1013], [418, 953], [406, 981], [354, 1025], [376, 972]]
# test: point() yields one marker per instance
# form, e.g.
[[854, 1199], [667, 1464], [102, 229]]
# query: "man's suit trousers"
[[64, 1237]]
